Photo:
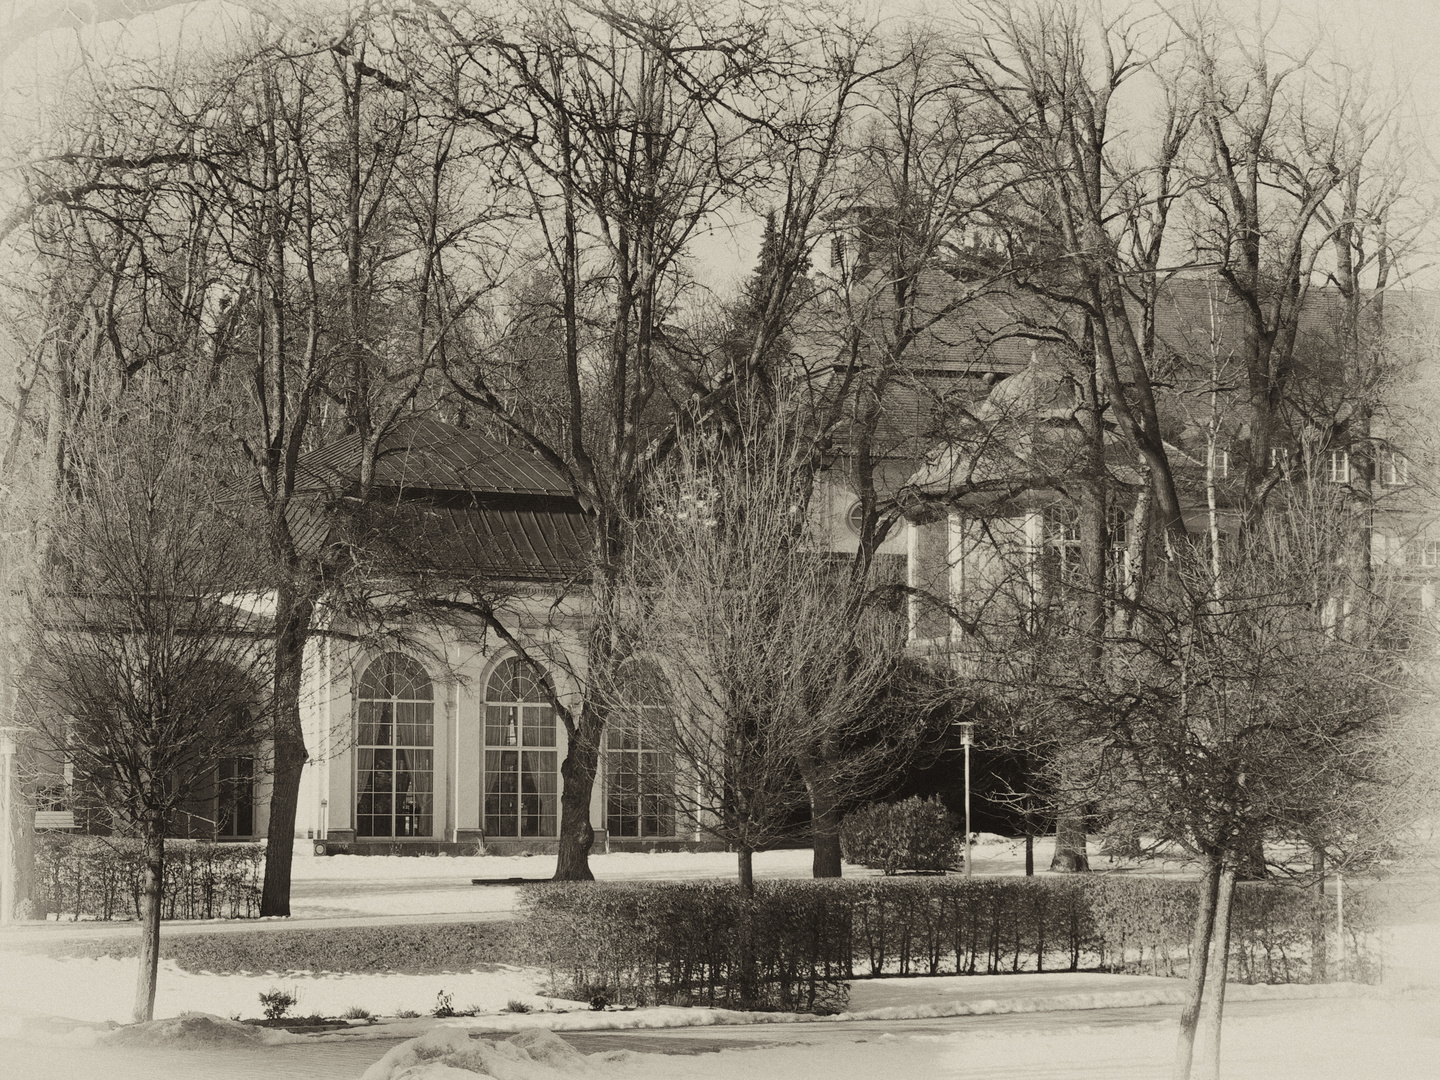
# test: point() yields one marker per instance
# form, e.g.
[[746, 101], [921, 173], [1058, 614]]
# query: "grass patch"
[[420, 949]]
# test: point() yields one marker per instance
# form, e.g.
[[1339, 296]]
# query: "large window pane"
[[521, 785], [394, 762], [235, 797], [639, 777]]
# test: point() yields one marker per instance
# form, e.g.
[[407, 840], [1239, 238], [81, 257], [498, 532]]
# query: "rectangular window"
[[1222, 464], [639, 783], [520, 793], [235, 798], [1279, 457], [1430, 554], [930, 572], [1394, 469], [396, 792], [1060, 562], [1337, 466], [521, 784]]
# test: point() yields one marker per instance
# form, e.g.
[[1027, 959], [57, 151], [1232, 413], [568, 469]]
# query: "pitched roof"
[[501, 538], [428, 455], [449, 500]]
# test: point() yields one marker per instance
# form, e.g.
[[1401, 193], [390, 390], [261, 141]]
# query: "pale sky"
[[1399, 38]]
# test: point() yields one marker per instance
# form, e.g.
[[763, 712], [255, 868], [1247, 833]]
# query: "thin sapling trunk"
[[1200, 937]]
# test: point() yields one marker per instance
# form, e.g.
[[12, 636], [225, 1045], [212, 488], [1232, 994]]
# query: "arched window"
[[521, 780], [639, 773], [394, 755]]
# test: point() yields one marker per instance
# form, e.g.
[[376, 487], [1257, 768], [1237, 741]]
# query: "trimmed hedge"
[[99, 877], [648, 943], [413, 949], [916, 834], [684, 944]]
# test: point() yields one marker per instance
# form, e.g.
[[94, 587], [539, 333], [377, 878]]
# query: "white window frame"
[[391, 714], [1337, 466], [525, 722], [1395, 470], [640, 776]]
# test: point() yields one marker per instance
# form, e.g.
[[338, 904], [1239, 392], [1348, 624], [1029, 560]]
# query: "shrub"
[[98, 877], [277, 1002], [444, 1007], [355, 1012], [643, 943], [515, 1005], [421, 948], [917, 834], [406, 1014]]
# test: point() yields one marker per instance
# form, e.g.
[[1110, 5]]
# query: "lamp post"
[[967, 739]]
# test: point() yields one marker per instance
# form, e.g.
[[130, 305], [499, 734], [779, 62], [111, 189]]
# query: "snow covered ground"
[[1093, 1027], [1336, 1042], [340, 886]]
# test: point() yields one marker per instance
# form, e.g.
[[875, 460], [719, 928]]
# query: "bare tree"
[[631, 129], [775, 656], [144, 672], [1246, 712], [289, 224]]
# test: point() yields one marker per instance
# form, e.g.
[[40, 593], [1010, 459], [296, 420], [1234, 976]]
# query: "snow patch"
[[192, 1030], [447, 1053]]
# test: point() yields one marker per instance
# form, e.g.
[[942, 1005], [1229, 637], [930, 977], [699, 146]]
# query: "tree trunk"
[[826, 830], [1070, 854], [577, 779], [1213, 1010], [824, 823], [745, 859], [152, 885], [292, 627], [1029, 855], [1200, 937], [1317, 933], [19, 846]]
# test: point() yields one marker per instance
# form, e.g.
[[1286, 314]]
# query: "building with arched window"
[[445, 737]]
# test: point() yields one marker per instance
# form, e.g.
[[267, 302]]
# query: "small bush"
[[444, 1007], [515, 1005], [277, 1002], [917, 834], [407, 1014], [599, 1002], [356, 1012]]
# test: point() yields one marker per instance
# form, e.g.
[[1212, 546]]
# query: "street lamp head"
[[967, 732]]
